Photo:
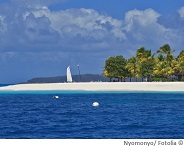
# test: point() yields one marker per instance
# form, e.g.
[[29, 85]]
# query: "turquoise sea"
[[120, 115]]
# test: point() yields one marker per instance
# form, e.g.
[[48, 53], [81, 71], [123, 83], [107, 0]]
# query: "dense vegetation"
[[145, 65]]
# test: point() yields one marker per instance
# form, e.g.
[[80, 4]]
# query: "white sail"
[[69, 75]]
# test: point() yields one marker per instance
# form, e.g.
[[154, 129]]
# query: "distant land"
[[76, 78]]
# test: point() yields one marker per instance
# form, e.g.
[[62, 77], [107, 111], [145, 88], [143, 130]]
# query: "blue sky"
[[117, 8], [40, 38]]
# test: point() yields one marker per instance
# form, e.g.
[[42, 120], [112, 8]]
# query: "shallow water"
[[120, 115]]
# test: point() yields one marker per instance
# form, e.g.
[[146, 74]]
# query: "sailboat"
[[69, 75]]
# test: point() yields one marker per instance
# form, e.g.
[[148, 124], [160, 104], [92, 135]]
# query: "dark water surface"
[[120, 115]]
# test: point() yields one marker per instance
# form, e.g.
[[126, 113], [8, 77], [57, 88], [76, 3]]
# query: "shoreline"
[[100, 86]]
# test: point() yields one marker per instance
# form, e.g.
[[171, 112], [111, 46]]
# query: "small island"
[[156, 74], [160, 66]]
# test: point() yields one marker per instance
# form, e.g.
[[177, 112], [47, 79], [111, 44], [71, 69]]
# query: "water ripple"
[[137, 115]]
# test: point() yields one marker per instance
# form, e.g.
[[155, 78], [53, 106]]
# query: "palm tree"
[[166, 50], [165, 60], [180, 64], [162, 69], [133, 67], [146, 62], [181, 55]]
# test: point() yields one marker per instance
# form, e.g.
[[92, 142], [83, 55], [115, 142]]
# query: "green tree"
[[146, 62], [115, 68], [133, 68], [180, 63], [109, 68], [165, 62], [121, 71], [162, 69], [167, 52]]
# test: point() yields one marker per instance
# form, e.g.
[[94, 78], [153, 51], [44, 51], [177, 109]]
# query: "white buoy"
[[95, 104], [56, 97]]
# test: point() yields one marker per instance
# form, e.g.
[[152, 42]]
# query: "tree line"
[[147, 66]]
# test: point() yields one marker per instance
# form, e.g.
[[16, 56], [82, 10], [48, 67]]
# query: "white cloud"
[[143, 18], [143, 29], [6, 56], [2, 24], [30, 32], [181, 12], [35, 3], [39, 30], [82, 29], [82, 22]]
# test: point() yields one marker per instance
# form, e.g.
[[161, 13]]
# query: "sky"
[[41, 38]]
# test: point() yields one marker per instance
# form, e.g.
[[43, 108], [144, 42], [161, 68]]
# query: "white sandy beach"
[[100, 86]]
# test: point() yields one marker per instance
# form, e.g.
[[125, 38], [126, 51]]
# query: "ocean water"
[[120, 115]]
